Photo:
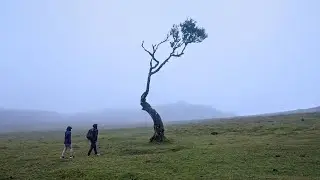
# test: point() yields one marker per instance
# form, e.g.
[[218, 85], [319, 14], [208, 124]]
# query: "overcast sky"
[[81, 55]]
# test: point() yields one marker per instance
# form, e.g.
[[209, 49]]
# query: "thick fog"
[[73, 56]]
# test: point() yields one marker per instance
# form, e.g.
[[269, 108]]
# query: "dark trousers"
[[93, 147]]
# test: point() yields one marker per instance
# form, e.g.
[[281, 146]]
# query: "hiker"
[[67, 142], [92, 136]]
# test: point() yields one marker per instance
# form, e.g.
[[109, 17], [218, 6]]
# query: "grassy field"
[[281, 147]]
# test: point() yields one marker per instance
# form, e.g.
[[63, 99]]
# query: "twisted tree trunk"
[[157, 121]]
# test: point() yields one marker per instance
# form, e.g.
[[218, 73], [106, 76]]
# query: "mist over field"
[[26, 120], [180, 112]]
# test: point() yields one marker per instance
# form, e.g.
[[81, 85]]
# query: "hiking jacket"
[[67, 137], [95, 133]]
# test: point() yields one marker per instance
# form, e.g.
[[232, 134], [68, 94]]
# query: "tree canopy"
[[179, 37]]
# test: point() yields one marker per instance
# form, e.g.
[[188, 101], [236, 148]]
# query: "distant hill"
[[25, 120], [184, 111], [309, 110], [17, 120], [297, 111]]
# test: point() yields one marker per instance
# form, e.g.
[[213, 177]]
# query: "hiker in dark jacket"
[[67, 142], [93, 138]]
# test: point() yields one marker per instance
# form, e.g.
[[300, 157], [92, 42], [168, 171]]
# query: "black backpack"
[[89, 134]]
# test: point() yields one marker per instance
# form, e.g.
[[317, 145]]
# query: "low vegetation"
[[278, 147]]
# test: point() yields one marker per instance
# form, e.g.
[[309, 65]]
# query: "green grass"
[[281, 147]]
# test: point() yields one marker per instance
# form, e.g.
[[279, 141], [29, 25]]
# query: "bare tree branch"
[[172, 54], [157, 63], [154, 50], [151, 60], [151, 54], [142, 45], [165, 40], [154, 47]]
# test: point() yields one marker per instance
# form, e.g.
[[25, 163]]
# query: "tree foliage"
[[179, 37]]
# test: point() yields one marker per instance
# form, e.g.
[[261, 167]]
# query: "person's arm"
[[96, 136]]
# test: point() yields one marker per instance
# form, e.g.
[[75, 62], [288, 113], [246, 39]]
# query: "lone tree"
[[179, 37]]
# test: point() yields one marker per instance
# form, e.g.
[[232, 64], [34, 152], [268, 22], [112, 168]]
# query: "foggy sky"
[[76, 55]]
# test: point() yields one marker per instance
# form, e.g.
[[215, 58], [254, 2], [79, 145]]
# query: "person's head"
[[95, 126], [69, 128]]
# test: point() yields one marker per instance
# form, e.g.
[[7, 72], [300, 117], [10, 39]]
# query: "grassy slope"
[[282, 147]]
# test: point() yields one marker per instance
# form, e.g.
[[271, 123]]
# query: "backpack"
[[89, 134]]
